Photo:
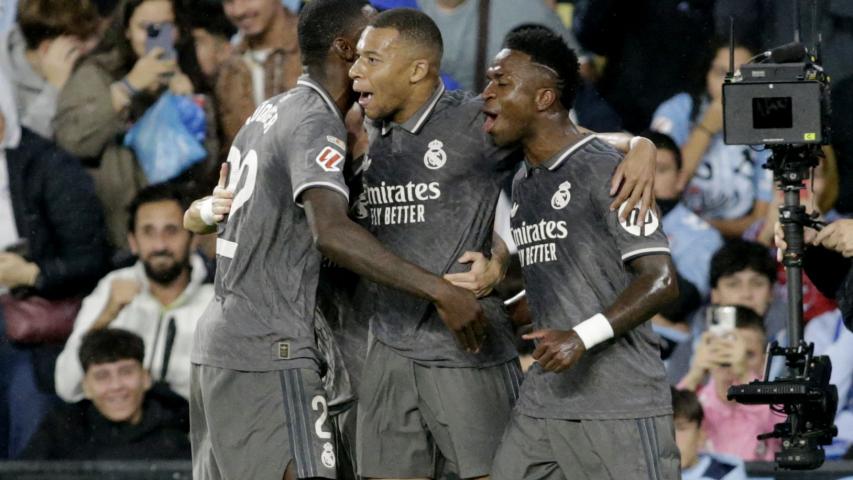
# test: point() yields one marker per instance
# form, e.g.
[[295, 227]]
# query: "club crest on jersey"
[[633, 225], [435, 157], [328, 455], [514, 210], [561, 196], [329, 159]]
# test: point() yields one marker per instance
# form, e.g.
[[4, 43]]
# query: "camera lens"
[[153, 30]]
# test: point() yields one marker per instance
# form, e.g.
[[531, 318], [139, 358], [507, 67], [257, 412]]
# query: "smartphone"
[[720, 319], [162, 35]]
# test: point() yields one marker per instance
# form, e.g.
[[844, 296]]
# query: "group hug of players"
[[439, 387]]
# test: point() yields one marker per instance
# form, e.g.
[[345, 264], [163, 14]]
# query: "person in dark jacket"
[[52, 244], [120, 419]]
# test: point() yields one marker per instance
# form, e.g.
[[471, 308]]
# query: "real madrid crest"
[[435, 157], [561, 196]]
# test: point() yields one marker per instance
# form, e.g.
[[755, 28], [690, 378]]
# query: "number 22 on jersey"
[[243, 168]]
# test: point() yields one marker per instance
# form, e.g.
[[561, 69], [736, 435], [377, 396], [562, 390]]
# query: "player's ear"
[[545, 97], [419, 70], [344, 49]]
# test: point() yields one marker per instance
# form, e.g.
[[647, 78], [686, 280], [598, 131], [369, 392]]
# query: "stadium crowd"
[[116, 114]]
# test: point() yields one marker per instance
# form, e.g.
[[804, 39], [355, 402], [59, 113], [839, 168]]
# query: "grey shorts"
[[548, 449], [410, 414], [253, 424]]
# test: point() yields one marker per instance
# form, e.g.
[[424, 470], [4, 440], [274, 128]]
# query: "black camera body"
[[776, 104]]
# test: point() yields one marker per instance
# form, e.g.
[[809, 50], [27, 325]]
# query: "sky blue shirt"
[[692, 242]]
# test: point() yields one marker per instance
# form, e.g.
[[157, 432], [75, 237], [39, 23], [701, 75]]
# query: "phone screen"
[[162, 35]]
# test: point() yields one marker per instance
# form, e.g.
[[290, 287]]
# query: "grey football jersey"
[[267, 268], [431, 186], [573, 252]]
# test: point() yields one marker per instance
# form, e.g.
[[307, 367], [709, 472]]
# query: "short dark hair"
[[155, 193], [110, 345], [685, 404], [738, 255], [42, 20], [664, 142], [414, 26], [547, 48], [208, 15], [321, 22]]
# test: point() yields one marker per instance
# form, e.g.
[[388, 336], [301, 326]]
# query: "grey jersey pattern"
[[267, 267], [573, 252], [431, 186]]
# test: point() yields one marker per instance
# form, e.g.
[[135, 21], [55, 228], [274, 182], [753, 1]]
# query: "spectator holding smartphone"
[[726, 356], [112, 89], [39, 53]]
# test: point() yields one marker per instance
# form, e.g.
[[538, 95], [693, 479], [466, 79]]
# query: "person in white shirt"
[[159, 298]]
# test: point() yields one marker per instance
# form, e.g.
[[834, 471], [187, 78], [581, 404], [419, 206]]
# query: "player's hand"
[[837, 236], [556, 350], [481, 279], [16, 271], [357, 140], [59, 60], [633, 182], [463, 315], [122, 292], [222, 197], [150, 72]]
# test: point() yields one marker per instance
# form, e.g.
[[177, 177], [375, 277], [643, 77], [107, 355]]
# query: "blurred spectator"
[[732, 358], [160, 298], [8, 8], [724, 184], [108, 92], [695, 464], [118, 420], [692, 240], [266, 61], [49, 215], [654, 50], [741, 273], [211, 32], [40, 51], [458, 22]]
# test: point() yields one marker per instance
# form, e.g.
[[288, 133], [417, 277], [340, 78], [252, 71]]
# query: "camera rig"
[[782, 101]]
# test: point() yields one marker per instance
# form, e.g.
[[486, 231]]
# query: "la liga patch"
[[330, 159]]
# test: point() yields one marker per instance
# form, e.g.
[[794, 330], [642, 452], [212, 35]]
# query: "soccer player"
[[596, 404], [258, 409], [431, 180]]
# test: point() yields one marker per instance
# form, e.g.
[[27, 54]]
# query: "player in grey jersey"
[[258, 409], [596, 404], [431, 184]]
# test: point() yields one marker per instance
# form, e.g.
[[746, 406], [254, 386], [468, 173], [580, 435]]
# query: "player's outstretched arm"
[[653, 286], [204, 214], [348, 244]]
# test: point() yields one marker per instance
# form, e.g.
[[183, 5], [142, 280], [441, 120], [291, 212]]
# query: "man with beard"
[[160, 297]]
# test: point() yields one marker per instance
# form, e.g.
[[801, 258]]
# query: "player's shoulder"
[[460, 106], [598, 154]]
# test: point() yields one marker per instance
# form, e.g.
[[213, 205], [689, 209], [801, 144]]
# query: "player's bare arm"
[[652, 287], [351, 246], [204, 214], [485, 272]]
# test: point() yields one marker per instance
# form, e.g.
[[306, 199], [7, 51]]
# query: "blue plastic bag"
[[163, 144]]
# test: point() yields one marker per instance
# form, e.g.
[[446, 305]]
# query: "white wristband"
[[633, 142], [594, 330], [205, 210]]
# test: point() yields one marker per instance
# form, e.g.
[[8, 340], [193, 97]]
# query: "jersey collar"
[[554, 162], [309, 82], [416, 122]]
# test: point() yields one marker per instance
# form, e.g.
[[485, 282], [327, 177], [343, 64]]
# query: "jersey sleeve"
[[633, 238], [672, 117], [317, 154]]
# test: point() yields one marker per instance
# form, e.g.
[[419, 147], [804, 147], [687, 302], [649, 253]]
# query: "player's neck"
[[421, 94], [166, 294], [334, 77], [550, 137]]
